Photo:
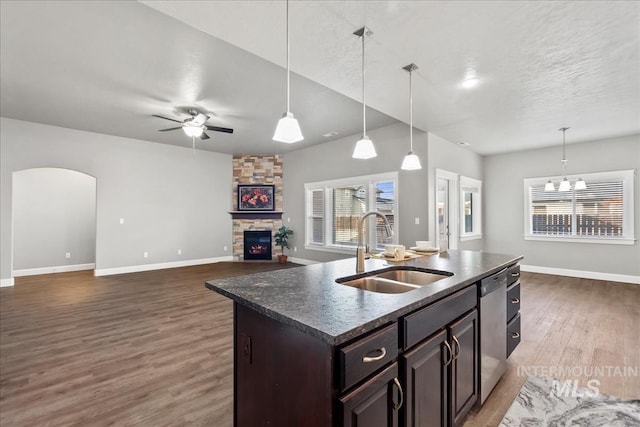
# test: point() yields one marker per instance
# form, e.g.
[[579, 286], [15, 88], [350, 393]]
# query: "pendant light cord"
[[410, 114], [364, 106], [564, 157], [288, 70]]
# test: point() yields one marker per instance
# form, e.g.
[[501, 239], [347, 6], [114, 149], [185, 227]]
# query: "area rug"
[[545, 402]]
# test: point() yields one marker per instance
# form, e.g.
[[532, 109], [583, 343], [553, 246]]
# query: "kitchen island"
[[311, 351]]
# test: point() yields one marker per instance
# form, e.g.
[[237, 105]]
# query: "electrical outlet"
[[225, 248], [67, 255], [295, 249], [145, 254], [121, 220], [179, 251], [288, 219], [417, 220]]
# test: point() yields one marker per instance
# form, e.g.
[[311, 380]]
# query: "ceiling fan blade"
[[164, 130], [204, 136], [166, 118], [219, 129]]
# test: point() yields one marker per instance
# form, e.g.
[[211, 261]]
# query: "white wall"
[[54, 213], [170, 197], [333, 160], [504, 205]]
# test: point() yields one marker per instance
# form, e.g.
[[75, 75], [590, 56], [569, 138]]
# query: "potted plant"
[[282, 236]]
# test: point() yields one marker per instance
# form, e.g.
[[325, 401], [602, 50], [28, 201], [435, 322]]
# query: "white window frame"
[[367, 181], [473, 186], [626, 176]]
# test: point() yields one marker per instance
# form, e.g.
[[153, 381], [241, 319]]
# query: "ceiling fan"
[[195, 125]]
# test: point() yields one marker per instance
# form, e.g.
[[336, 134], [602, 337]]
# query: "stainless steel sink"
[[395, 281]]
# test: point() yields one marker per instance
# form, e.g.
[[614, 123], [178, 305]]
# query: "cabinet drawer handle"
[[398, 405], [515, 335], [516, 274], [515, 301], [450, 357], [455, 339], [383, 353]]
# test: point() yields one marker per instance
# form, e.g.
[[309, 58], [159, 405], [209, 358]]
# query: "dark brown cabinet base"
[[284, 377]]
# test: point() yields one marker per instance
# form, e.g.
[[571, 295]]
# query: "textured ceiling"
[[106, 67], [543, 64]]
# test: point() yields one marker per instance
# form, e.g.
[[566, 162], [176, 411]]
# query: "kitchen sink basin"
[[395, 281]]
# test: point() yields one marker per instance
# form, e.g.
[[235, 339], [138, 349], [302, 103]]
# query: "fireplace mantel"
[[256, 214]]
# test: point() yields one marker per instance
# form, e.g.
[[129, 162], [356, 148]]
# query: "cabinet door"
[[426, 383], [375, 403], [464, 368]]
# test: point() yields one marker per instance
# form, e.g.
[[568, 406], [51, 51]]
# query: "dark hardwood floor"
[[151, 349], [155, 348]]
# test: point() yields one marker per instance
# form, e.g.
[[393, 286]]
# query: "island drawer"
[[513, 274], [365, 356], [513, 334], [424, 322], [513, 300]]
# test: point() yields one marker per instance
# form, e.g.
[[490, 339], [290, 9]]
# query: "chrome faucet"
[[362, 250]]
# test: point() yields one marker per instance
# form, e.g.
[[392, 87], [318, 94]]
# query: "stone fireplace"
[[255, 169]]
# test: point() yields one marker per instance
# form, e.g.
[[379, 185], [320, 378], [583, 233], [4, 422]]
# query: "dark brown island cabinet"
[[419, 368], [419, 371]]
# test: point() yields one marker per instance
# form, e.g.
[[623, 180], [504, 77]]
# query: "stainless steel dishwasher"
[[493, 331]]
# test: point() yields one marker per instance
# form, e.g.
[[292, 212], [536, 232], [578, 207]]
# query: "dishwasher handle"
[[493, 282]]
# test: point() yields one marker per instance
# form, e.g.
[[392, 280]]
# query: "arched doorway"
[[54, 221]]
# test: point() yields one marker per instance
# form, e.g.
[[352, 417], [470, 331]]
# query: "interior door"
[[442, 209]]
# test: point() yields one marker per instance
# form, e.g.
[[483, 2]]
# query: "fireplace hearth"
[[257, 245]]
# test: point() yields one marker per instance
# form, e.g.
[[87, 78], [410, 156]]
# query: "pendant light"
[[288, 129], [364, 148], [411, 162], [565, 185]]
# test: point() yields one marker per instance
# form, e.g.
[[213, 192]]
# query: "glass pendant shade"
[[549, 186], [193, 130], [411, 162], [364, 149], [564, 185], [288, 129], [580, 184]]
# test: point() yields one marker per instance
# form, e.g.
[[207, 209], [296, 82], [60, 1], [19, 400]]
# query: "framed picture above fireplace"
[[256, 197]]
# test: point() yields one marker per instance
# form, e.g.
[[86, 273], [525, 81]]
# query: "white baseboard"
[[6, 282], [582, 274], [158, 266], [301, 261], [55, 269]]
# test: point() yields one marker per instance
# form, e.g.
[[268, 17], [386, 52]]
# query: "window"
[[602, 213], [470, 208], [333, 209]]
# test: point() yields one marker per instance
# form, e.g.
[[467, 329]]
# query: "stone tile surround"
[[255, 169]]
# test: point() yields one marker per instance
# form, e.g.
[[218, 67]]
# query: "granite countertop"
[[309, 299]]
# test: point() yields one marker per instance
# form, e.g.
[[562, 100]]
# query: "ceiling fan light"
[[364, 149], [193, 131], [580, 184], [411, 162], [288, 129], [549, 186], [564, 185]]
